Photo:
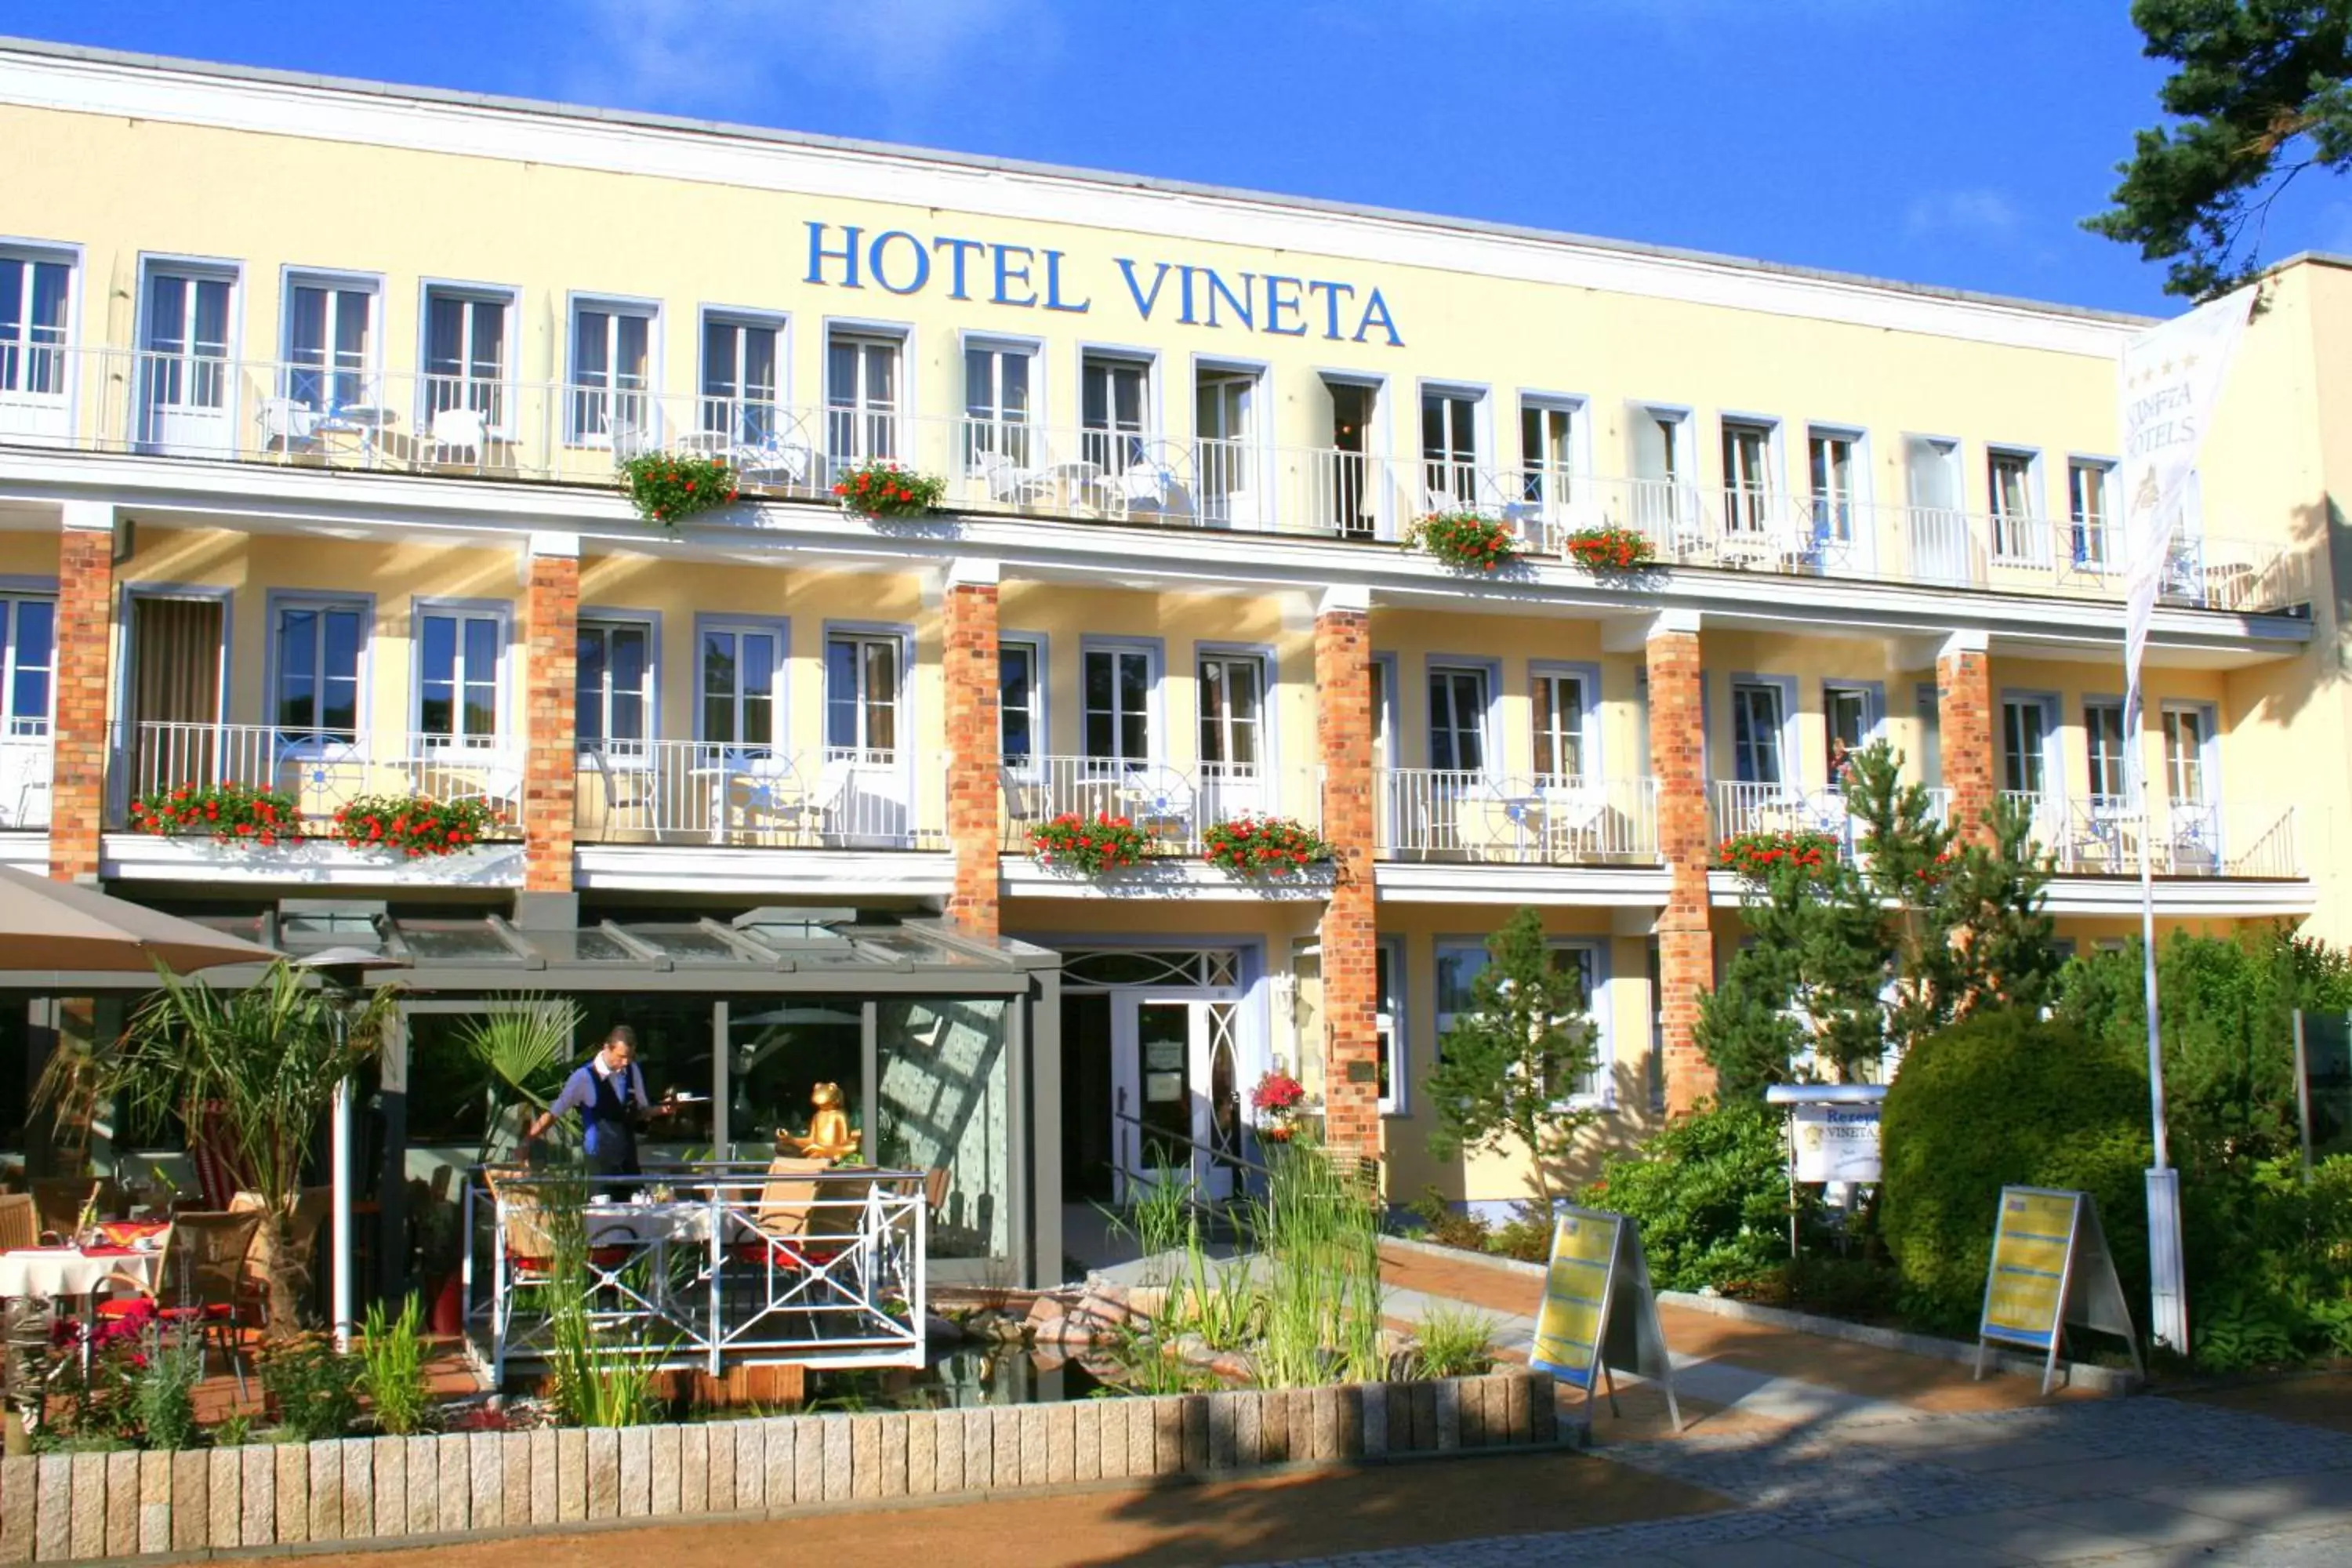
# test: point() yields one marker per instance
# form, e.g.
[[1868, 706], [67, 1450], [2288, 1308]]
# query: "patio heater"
[[342, 970]]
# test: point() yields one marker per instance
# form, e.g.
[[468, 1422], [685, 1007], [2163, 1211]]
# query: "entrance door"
[[1940, 528], [1175, 1071]]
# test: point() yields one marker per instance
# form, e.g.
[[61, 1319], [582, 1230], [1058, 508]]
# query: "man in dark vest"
[[609, 1093]]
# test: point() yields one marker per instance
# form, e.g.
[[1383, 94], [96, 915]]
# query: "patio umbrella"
[[62, 926]]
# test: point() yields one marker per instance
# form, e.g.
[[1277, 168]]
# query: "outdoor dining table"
[[54, 1271]]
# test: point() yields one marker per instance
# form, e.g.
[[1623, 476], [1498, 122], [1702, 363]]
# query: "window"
[[34, 294], [465, 353], [2188, 732], [2025, 743], [861, 397], [1560, 725], [1660, 461], [2103, 731], [861, 697], [329, 327], [1848, 716], [1115, 406], [1019, 721], [184, 367], [1118, 692], [1829, 456], [2087, 510], [458, 655], [318, 647], [611, 369], [1388, 1025], [2009, 481], [1449, 448], [28, 632], [1224, 405], [1231, 706], [616, 686], [1457, 720], [1758, 712], [740, 362], [1747, 476], [997, 403], [742, 669], [1384, 742], [1458, 965], [1547, 454]]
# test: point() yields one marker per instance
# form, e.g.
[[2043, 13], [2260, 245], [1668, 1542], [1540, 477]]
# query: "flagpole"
[[2167, 1277]]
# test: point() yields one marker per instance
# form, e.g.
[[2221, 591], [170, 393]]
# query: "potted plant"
[[229, 812], [1466, 540], [1092, 845], [414, 826], [879, 488], [1609, 549], [1263, 846], [1757, 856], [664, 487], [1276, 1098]]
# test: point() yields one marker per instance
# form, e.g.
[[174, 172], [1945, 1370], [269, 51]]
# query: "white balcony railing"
[[1173, 806], [28, 764], [1745, 807], [707, 793], [467, 424], [1430, 814], [2105, 834], [319, 771]]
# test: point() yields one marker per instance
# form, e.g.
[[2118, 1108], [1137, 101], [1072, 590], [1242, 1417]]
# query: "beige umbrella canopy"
[[62, 926]]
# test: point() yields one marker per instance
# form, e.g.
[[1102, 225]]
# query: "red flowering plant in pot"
[[1609, 549], [666, 488], [1093, 844], [1466, 540], [227, 813], [1755, 855], [1276, 1099], [1263, 846], [415, 827], [878, 487]]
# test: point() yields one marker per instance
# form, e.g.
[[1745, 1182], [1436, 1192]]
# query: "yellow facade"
[[1232, 409]]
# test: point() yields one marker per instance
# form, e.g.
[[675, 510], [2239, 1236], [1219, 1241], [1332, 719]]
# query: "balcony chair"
[[288, 427], [780, 460], [631, 441], [20, 1224], [1150, 478], [27, 766], [455, 431], [632, 799], [1011, 484], [201, 1281], [759, 793], [1575, 817]]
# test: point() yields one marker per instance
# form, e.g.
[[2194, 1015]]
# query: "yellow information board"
[[1598, 1310], [2049, 1267]]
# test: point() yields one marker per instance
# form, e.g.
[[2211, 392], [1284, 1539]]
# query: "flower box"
[[1757, 856], [228, 813], [1609, 549], [1467, 540], [665, 488], [884, 489], [1091, 845], [414, 826], [1263, 846]]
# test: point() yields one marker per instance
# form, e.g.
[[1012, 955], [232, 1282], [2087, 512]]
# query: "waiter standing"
[[609, 1093]]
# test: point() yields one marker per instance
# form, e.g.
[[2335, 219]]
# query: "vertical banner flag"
[[2165, 385]]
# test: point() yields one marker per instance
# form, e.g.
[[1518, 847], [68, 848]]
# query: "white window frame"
[[2053, 780], [1154, 738], [988, 433], [1034, 647], [778, 406], [2205, 760], [1489, 763], [1600, 1091], [229, 399], [318, 739], [1260, 726], [1547, 678], [851, 427], [779, 731], [1750, 480], [437, 389], [1554, 484], [863, 642], [334, 284], [13, 724], [500, 615], [604, 742], [1449, 480], [1838, 516], [1112, 447], [22, 353], [1783, 744], [1388, 1024], [2123, 752], [2091, 539], [2013, 530], [581, 395]]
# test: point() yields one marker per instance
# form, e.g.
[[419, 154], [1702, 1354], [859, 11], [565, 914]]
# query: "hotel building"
[[313, 396]]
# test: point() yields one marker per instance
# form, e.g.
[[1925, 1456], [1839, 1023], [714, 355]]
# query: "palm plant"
[[260, 1063], [525, 1046]]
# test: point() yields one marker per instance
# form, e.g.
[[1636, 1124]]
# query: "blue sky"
[[1949, 141]]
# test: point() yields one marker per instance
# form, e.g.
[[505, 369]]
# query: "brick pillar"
[[551, 717], [1343, 728], [85, 645], [1964, 729], [974, 737], [1685, 928]]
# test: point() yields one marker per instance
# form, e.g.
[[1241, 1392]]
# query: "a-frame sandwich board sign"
[[1599, 1312], [2049, 1267]]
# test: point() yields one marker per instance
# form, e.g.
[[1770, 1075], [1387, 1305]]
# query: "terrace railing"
[[1174, 806], [2107, 835], [320, 771], [698, 792], [1435, 813]]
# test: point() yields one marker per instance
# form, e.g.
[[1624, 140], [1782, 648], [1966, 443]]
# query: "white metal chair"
[[784, 461], [630, 806], [1011, 484], [1159, 800], [455, 431], [1575, 816], [1149, 479], [288, 427], [26, 765]]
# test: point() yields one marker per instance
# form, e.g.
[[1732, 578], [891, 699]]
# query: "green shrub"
[[1710, 1194], [313, 1389], [1448, 1227], [392, 1356], [2006, 1099]]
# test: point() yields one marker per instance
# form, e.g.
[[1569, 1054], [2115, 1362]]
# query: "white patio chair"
[[779, 462], [1575, 816], [630, 800], [25, 768], [455, 431], [1009, 484], [1149, 479], [288, 427]]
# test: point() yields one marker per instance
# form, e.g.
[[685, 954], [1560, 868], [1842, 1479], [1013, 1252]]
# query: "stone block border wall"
[[394, 1491]]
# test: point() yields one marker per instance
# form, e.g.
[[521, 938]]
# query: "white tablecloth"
[[625, 1224], [52, 1272]]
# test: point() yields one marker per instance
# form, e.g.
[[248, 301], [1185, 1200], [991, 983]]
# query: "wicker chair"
[[20, 1223], [202, 1280], [58, 1200]]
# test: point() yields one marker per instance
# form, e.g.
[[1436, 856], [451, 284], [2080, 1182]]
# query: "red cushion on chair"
[[123, 1306]]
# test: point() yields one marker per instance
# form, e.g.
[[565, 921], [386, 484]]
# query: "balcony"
[[1440, 815], [27, 763], [1174, 806], [708, 795], [2105, 836], [1741, 807], [299, 417]]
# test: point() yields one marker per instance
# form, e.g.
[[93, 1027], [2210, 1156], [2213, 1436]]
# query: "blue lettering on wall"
[[900, 262]]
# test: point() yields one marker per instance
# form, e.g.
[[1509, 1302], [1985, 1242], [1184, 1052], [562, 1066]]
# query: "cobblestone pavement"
[[2142, 1481]]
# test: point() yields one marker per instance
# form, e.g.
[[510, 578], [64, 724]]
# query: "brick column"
[[1343, 728], [1964, 728], [85, 647], [1685, 928], [973, 738], [551, 717]]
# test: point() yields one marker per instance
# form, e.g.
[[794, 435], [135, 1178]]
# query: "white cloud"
[[1981, 213], [720, 57]]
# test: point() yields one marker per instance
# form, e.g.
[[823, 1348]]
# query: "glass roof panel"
[[687, 942], [470, 941], [917, 947], [588, 946]]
